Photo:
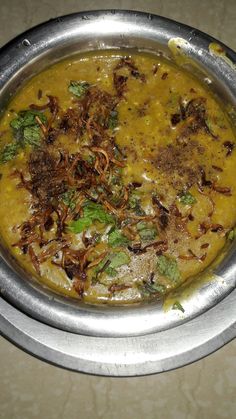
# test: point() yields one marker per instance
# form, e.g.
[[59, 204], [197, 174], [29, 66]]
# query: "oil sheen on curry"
[[117, 177]]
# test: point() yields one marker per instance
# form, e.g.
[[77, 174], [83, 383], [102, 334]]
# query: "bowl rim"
[[43, 304]]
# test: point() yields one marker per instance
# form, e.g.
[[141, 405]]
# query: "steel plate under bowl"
[[35, 50]]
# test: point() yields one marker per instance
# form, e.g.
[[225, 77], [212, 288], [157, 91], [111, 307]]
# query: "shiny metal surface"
[[130, 356], [27, 55]]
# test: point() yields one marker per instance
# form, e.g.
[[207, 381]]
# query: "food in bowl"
[[116, 176]]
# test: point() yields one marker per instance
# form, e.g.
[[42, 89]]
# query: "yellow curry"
[[117, 177]]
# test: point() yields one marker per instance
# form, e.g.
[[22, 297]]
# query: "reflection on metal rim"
[[131, 356]]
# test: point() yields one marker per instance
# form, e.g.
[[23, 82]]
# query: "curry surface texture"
[[117, 177]]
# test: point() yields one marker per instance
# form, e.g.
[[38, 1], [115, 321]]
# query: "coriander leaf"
[[26, 127], [118, 259], [232, 234], [142, 225], [147, 231], [32, 135], [135, 205], [91, 212], [133, 200], [26, 131], [111, 262], [113, 120], [9, 152], [116, 238], [187, 199], [27, 118], [178, 306], [102, 266], [111, 271], [148, 234], [79, 225], [16, 123], [67, 198], [96, 212], [78, 88], [168, 267], [153, 288]]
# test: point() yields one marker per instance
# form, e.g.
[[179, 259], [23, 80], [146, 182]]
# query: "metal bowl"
[[45, 44]]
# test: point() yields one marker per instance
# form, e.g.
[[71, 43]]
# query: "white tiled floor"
[[31, 389]]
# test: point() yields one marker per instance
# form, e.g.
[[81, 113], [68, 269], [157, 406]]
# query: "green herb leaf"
[[133, 200], [79, 225], [78, 88], [26, 132], [118, 259], [178, 306], [27, 118], [67, 198], [147, 231], [168, 267], [154, 288], [113, 120], [231, 234], [117, 238], [96, 212], [91, 212], [32, 135], [26, 128], [113, 261], [187, 199], [9, 152], [111, 272], [135, 205]]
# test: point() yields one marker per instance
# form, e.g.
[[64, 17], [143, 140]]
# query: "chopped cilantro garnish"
[[113, 120], [135, 205], [96, 212], [78, 88], [91, 212], [80, 225], [154, 288], [111, 271], [67, 198], [27, 119], [119, 259], [133, 200], [9, 152], [111, 262], [232, 234], [168, 267], [178, 306], [26, 131], [32, 135], [117, 238], [187, 199], [147, 231]]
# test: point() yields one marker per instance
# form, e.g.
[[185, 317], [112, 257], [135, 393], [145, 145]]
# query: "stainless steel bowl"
[[45, 44]]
